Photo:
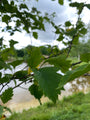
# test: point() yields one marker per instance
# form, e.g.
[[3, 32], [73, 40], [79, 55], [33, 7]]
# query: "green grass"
[[75, 107]]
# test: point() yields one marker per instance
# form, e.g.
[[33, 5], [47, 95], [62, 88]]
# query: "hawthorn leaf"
[[35, 57], [4, 79], [48, 79], [36, 91], [71, 75], [21, 75], [7, 95], [60, 61]]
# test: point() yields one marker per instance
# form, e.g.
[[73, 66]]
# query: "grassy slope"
[[75, 107]]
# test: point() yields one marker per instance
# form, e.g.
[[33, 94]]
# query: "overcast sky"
[[63, 13]]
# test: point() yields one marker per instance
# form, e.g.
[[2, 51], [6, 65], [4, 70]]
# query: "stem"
[[76, 63], [21, 84], [40, 102], [70, 46]]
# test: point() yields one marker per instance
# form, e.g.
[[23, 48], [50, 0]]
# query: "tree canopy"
[[45, 79]]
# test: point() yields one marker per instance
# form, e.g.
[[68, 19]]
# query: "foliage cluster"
[[45, 50], [45, 80]]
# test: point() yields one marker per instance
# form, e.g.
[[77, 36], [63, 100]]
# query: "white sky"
[[64, 13]]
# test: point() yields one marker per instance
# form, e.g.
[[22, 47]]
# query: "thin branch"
[[25, 77], [70, 46], [21, 84], [71, 42], [76, 63], [18, 85], [3, 85]]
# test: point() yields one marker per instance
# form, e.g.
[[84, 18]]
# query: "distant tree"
[[83, 45], [20, 53]]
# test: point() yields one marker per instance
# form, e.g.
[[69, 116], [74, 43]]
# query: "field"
[[74, 107]]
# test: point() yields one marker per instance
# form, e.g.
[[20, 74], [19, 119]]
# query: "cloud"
[[50, 7], [63, 13]]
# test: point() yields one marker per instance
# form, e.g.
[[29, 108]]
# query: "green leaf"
[[3, 64], [71, 75], [7, 109], [35, 57], [75, 4], [16, 63], [12, 42], [61, 2], [21, 75], [4, 79], [7, 53], [80, 25], [71, 32], [36, 91], [2, 110], [23, 6], [78, 5], [60, 61], [35, 35], [68, 24], [12, 3], [85, 57], [18, 23], [11, 33], [48, 79], [83, 31], [7, 95], [87, 5], [60, 38], [6, 19], [76, 40]]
